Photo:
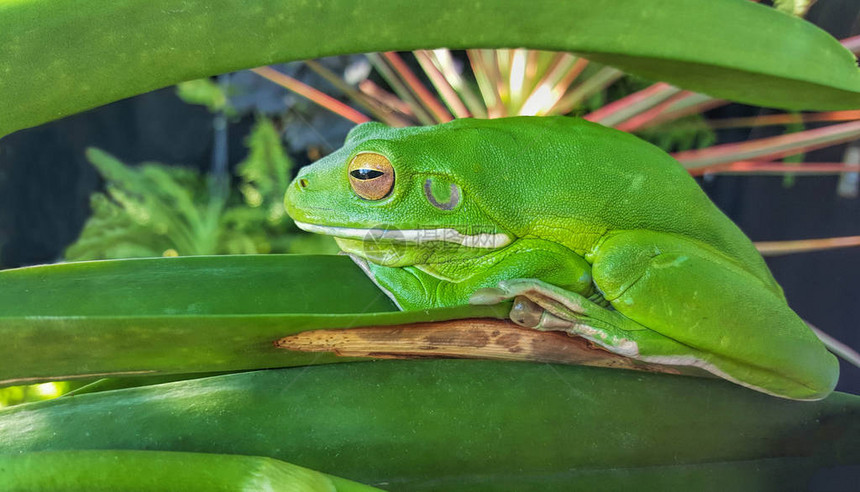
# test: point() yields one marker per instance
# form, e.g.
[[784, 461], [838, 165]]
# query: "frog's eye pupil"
[[365, 174], [371, 175]]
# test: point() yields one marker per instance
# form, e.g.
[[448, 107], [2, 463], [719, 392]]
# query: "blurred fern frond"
[[157, 210]]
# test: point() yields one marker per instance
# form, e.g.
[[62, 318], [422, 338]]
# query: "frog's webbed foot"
[[546, 307]]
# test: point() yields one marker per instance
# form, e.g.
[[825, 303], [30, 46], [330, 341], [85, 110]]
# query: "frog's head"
[[398, 196]]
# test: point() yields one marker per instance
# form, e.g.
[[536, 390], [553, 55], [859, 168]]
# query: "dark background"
[[45, 184]]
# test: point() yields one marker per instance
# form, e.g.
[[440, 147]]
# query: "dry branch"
[[477, 338]]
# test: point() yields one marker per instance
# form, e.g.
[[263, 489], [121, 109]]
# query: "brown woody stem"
[[477, 338]]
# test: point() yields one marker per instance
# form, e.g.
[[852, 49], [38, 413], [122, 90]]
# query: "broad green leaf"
[[471, 425], [159, 471], [59, 58], [154, 316]]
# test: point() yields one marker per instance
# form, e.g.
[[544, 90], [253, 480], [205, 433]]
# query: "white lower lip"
[[482, 240]]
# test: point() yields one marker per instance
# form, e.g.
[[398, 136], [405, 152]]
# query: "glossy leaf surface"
[[59, 57], [159, 471], [183, 315], [471, 425]]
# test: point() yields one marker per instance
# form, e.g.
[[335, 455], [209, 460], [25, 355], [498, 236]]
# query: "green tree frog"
[[590, 230]]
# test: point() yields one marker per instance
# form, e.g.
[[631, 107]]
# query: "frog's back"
[[573, 181]]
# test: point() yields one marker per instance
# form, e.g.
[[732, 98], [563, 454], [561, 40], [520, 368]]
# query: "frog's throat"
[[481, 240]]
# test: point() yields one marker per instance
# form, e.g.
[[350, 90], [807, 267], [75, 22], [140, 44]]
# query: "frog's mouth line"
[[417, 236]]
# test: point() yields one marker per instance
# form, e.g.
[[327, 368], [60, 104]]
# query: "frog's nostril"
[[303, 183]]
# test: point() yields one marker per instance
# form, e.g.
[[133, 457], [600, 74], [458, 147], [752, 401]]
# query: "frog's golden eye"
[[371, 176]]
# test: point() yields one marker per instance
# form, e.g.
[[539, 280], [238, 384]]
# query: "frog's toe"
[[547, 296], [504, 290], [518, 286], [526, 313], [488, 296], [529, 314], [523, 291]]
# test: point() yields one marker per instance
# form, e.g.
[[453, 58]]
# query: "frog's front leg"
[[453, 282], [546, 307]]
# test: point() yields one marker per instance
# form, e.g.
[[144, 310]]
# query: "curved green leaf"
[[182, 315], [470, 425], [191, 286], [61, 57], [158, 471]]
